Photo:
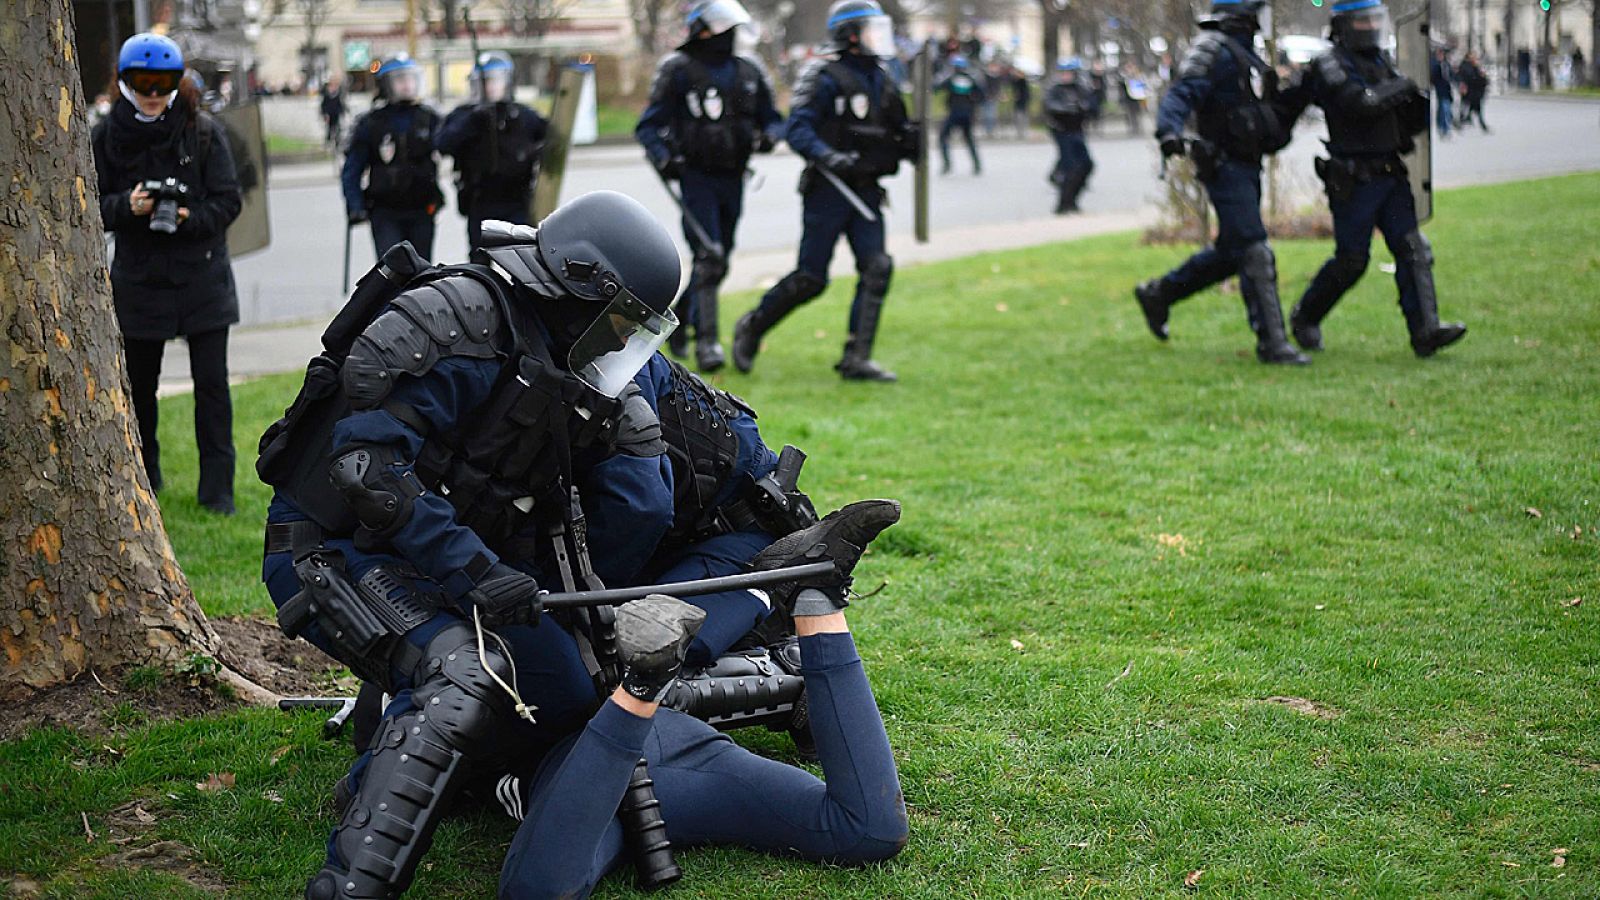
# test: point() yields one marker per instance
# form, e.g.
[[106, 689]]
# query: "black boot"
[[707, 348], [1259, 284], [1428, 334], [1154, 306], [857, 364], [678, 340], [796, 288]]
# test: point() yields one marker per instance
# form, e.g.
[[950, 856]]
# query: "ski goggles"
[[151, 82]]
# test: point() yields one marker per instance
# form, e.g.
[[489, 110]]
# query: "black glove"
[[839, 162], [506, 597], [356, 216], [671, 167], [653, 635], [840, 538], [765, 143], [1171, 145]]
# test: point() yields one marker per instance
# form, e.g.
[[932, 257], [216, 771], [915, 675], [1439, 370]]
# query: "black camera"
[[167, 193]]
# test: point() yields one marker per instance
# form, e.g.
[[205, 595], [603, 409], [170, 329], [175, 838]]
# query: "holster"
[[772, 503], [1207, 158], [362, 620]]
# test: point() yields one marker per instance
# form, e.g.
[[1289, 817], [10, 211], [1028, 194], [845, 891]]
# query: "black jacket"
[[165, 285]]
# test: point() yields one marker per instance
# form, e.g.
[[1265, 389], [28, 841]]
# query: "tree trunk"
[[87, 577], [1050, 22]]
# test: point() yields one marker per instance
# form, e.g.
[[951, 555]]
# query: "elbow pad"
[[381, 492]]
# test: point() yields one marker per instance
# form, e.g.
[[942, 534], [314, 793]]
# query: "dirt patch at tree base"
[[100, 702]]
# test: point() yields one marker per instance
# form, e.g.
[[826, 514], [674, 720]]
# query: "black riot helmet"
[[1240, 16], [1360, 25], [602, 273], [860, 26]]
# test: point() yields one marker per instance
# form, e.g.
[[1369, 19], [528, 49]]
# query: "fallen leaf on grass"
[[277, 754], [142, 816], [1533, 513], [1192, 880], [1016, 645], [1320, 607], [272, 796], [215, 782], [1001, 307], [1509, 864], [1560, 858], [1575, 601]]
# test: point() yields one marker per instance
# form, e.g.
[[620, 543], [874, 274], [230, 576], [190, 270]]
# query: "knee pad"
[[1419, 251], [876, 274], [1258, 262], [800, 286], [709, 271], [1347, 268], [380, 494], [456, 692]]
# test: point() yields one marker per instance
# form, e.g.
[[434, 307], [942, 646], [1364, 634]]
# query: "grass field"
[[1115, 555]]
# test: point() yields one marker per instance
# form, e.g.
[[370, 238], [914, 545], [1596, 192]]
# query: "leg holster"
[[416, 764], [362, 622]]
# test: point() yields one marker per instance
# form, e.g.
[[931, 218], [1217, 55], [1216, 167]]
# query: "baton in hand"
[[849, 195], [713, 247], [745, 581]]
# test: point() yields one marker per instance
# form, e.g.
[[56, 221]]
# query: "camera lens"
[[165, 217]]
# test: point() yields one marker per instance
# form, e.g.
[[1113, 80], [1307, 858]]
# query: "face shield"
[[1264, 19], [1366, 28], [747, 40], [403, 86], [877, 36], [494, 85], [619, 343], [719, 16]]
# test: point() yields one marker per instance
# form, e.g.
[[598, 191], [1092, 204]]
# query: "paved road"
[[1009, 205]]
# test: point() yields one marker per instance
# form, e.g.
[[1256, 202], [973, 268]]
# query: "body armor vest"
[[868, 125], [499, 164], [716, 130], [1380, 135], [701, 445], [1067, 105], [1249, 129], [403, 174]]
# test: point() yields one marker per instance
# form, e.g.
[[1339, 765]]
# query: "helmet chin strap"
[[138, 112]]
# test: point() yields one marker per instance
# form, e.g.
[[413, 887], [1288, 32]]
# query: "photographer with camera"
[[168, 191]]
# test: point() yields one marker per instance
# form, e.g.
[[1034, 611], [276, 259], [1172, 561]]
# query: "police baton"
[[344, 282], [849, 195], [342, 707], [746, 581], [700, 234]]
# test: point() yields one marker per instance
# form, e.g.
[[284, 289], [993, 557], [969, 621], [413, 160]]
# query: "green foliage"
[[1153, 608]]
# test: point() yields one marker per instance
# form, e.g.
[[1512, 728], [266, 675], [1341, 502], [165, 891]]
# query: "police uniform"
[[963, 95], [709, 110], [392, 146], [1230, 92], [848, 115], [1374, 114], [496, 148], [1066, 107]]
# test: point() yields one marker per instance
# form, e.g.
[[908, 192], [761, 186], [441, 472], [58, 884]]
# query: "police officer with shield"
[[495, 142], [1375, 115], [710, 109], [1230, 90], [851, 125], [391, 149], [1068, 103]]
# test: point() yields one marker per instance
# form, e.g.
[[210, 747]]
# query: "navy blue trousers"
[[1384, 203], [390, 227], [962, 123], [825, 217], [712, 791], [1235, 193], [730, 614], [716, 201]]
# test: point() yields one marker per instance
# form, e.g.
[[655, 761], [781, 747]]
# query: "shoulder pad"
[[1330, 70], [638, 426], [450, 317], [805, 86], [667, 69], [1202, 56], [754, 65]]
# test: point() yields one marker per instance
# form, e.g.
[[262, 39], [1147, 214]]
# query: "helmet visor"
[[151, 83], [877, 36], [718, 16], [404, 85], [619, 343], [1365, 29], [1264, 19], [493, 85]]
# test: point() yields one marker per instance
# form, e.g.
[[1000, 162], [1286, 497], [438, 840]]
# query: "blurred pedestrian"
[[1443, 84], [993, 80], [1066, 106], [391, 150], [1098, 84], [1134, 91], [1474, 88], [168, 192], [333, 109], [963, 94], [1021, 97]]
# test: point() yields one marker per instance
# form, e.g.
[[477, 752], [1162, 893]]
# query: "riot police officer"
[[1217, 83], [1067, 105], [850, 123], [963, 93], [495, 142], [710, 109], [1374, 115], [391, 147], [428, 479]]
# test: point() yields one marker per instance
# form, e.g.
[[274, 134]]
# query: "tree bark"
[[87, 576]]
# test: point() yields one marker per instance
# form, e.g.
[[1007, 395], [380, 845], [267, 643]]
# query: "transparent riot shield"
[[252, 231], [1413, 57], [558, 140]]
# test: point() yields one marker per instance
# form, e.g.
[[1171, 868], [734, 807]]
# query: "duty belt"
[[1366, 168], [300, 537]]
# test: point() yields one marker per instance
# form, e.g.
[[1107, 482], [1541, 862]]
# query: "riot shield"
[[557, 141], [252, 231], [922, 86], [1413, 57]]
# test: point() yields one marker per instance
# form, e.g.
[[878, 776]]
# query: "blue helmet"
[[957, 61], [153, 52], [492, 61], [400, 62], [1069, 64]]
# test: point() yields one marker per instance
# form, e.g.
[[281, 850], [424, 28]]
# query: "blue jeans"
[[1443, 118], [711, 790]]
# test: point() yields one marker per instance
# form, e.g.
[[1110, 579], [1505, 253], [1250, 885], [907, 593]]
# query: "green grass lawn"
[[1114, 553]]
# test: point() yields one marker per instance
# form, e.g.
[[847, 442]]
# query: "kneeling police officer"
[[1238, 124], [427, 479], [1374, 114]]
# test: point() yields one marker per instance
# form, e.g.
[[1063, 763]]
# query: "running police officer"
[[392, 147], [850, 124], [1217, 82], [427, 480], [495, 142], [963, 94], [1067, 105], [710, 109], [1374, 115]]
